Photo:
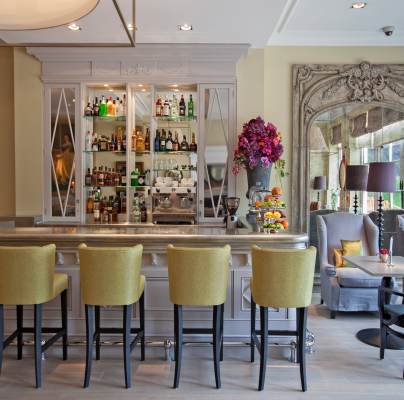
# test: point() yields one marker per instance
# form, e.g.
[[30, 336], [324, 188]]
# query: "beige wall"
[[277, 84], [7, 182], [28, 134]]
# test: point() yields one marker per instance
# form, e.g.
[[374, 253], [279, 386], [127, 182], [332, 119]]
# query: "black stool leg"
[[252, 329], [1, 334], [97, 332], [38, 343], [178, 329], [216, 343], [127, 318], [89, 342], [142, 325], [63, 300], [221, 331], [301, 343], [20, 315], [264, 346]]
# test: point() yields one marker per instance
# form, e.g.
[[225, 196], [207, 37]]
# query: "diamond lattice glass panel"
[[63, 152], [216, 150]]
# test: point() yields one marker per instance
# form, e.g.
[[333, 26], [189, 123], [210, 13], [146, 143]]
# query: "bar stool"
[[198, 277], [110, 276], [27, 277], [281, 279]]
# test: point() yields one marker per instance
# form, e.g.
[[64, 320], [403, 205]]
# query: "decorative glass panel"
[[62, 149], [217, 150]]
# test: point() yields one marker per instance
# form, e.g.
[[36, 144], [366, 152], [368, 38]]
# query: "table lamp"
[[320, 183], [356, 180], [382, 179]]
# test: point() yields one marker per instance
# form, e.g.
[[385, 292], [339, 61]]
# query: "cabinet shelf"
[[105, 186], [174, 152], [105, 118], [141, 153], [176, 119], [175, 169], [120, 152]]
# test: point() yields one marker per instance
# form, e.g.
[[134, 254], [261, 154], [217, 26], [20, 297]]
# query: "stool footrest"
[[9, 340], [138, 331]]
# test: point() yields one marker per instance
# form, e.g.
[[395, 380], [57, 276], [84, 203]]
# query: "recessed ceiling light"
[[185, 27], [176, 90], [74, 27], [106, 85], [175, 85], [143, 90], [358, 5], [140, 85], [130, 27], [110, 90]]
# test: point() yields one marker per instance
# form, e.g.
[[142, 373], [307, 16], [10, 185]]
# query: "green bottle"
[[190, 107], [103, 107], [134, 178]]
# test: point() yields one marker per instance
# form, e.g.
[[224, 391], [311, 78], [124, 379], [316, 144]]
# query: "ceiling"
[[256, 22]]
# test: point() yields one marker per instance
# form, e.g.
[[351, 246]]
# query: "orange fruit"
[[285, 223], [258, 203], [268, 197], [276, 191]]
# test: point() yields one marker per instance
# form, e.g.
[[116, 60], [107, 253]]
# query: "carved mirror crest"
[[323, 88]]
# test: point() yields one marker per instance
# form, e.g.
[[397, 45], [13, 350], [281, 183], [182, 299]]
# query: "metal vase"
[[259, 176]]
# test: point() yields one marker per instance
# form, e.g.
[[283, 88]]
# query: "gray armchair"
[[346, 288], [399, 239]]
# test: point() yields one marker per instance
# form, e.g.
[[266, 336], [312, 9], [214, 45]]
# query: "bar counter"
[[155, 238]]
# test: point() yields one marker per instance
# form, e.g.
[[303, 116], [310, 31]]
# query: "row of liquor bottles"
[[104, 176], [106, 107], [106, 210], [163, 142], [174, 108]]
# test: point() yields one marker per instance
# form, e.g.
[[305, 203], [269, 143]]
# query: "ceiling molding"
[[285, 16]]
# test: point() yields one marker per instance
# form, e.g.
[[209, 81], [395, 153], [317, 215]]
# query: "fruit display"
[[270, 210]]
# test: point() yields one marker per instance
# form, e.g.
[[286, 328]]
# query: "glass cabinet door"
[[216, 151], [61, 153]]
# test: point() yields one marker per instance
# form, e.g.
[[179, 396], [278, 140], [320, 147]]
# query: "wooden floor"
[[341, 368]]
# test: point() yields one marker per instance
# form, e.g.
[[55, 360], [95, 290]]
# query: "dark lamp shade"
[[382, 177], [320, 183], [357, 177]]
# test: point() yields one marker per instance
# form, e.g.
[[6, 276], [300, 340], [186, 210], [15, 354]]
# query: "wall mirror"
[[344, 114]]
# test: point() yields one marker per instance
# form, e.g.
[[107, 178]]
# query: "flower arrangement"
[[383, 250], [259, 145], [384, 255]]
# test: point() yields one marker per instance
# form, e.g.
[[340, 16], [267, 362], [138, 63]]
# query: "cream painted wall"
[[7, 182], [277, 80], [28, 134]]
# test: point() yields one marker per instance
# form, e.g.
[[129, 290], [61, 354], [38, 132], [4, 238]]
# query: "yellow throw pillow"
[[351, 247], [339, 261]]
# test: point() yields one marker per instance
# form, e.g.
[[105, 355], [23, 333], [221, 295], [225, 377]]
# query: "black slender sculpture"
[[356, 180], [382, 179]]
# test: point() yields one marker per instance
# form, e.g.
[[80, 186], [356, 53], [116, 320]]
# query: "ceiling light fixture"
[[359, 5], [175, 85], [140, 85], [19, 15], [110, 90], [74, 27], [143, 90], [176, 90], [106, 85], [185, 27]]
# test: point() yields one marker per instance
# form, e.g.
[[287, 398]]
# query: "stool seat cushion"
[[60, 283], [356, 278]]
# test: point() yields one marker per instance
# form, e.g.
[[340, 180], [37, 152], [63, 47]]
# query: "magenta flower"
[[259, 145]]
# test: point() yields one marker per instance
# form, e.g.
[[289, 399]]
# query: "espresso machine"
[[231, 205]]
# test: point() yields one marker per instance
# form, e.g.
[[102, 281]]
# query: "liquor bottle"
[[97, 206], [184, 144], [143, 211], [190, 107], [116, 206], [136, 214], [100, 178], [114, 108], [182, 106], [124, 105], [193, 146], [166, 108], [134, 178], [110, 107], [157, 141], [110, 206], [94, 177], [103, 107], [88, 179], [96, 108], [159, 107], [140, 146], [176, 144], [123, 202], [123, 142], [88, 141], [169, 142], [117, 178], [123, 177], [163, 141], [147, 140], [88, 111], [94, 142], [118, 107], [174, 107], [134, 137], [90, 203]]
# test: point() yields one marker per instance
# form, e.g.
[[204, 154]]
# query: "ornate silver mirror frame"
[[321, 87]]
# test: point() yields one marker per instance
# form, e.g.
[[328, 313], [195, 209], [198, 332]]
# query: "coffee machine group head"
[[231, 205]]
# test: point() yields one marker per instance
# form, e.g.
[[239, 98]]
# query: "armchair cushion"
[[356, 278], [394, 309]]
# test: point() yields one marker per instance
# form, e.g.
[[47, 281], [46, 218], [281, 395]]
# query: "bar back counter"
[[159, 310]]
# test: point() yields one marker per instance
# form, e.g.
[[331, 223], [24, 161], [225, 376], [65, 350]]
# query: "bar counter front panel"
[[159, 310]]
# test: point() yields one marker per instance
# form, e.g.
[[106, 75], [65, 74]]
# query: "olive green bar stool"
[[198, 277], [27, 277], [110, 276], [281, 279]]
